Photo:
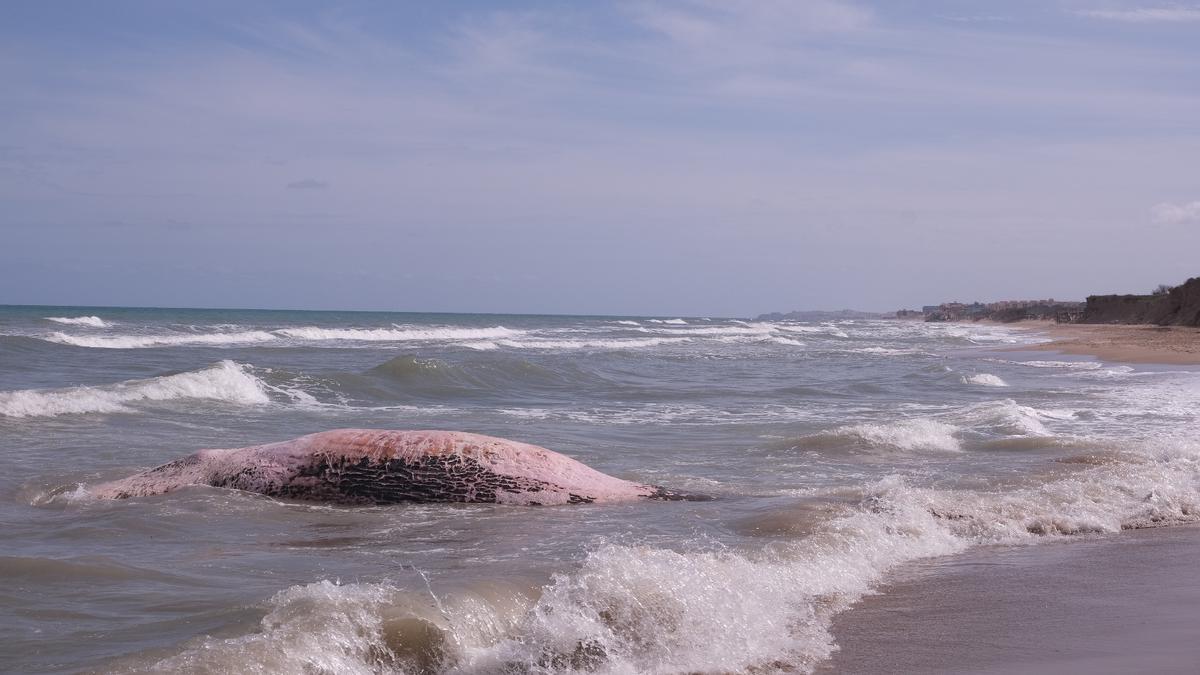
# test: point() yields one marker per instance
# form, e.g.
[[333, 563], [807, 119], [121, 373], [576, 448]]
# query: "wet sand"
[[1112, 604], [1130, 344], [1122, 603]]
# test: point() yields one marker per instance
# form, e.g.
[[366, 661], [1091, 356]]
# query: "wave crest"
[[397, 334], [225, 381], [92, 321], [913, 435], [984, 380], [167, 340]]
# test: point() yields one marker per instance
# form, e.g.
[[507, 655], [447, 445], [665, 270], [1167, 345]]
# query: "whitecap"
[[91, 321], [984, 380], [161, 340], [397, 333], [225, 381]]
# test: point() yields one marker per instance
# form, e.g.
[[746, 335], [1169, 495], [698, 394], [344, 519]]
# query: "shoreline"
[[1115, 603], [1122, 343], [1119, 603]]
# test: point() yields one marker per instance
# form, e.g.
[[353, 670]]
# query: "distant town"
[[1004, 310]]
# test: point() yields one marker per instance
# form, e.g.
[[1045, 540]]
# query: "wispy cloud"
[[822, 125], [1174, 214], [1173, 14], [738, 23], [307, 184]]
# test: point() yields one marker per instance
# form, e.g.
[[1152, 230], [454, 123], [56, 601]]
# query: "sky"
[[698, 158]]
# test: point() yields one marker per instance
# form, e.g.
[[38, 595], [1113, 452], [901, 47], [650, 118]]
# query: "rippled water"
[[836, 451]]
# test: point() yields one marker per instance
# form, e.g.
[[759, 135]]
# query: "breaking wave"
[[92, 321], [632, 343], [642, 608], [993, 424], [308, 334], [167, 340], [913, 435], [397, 334], [984, 380], [225, 381]]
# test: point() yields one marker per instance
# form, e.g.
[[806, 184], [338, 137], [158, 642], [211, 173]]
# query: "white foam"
[[92, 321], [676, 322], [225, 381], [647, 609], [1074, 365], [1005, 417], [628, 323], [315, 628], [912, 435], [664, 414], [984, 380], [654, 610], [398, 334], [632, 343], [823, 329], [883, 351], [748, 329], [161, 340]]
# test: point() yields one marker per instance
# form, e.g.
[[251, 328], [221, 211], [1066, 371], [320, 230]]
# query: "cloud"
[[1145, 14], [307, 184], [728, 23], [1174, 214]]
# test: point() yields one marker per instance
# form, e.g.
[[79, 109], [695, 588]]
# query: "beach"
[[1120, 603], [1116, 603], [1177, 345], [856, 467]]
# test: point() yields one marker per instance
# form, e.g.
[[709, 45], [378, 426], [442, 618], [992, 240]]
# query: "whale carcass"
[[371, 466]]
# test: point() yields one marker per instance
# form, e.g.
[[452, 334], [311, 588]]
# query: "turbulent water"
[[836, 452]]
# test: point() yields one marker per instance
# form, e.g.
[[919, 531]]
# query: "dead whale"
[[372, 466]]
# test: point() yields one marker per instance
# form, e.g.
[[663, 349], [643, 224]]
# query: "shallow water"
[[837, 452]]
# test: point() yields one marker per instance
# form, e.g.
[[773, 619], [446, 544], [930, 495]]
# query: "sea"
[[837, 454]]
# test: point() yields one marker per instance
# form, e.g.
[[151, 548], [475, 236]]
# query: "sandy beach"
[[1112, 604], [1125, 343], [1120, 603]]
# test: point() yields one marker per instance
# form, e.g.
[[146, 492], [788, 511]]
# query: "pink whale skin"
[[371, 466]]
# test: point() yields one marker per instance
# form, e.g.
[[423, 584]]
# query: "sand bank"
[[1123, 603], [1129, 344]]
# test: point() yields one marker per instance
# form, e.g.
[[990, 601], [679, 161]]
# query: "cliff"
[[1178, 307]]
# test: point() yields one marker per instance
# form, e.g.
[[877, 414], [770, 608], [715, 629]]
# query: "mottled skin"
[[370, 466]]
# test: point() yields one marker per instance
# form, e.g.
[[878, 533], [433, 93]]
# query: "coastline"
[[1119, 603], [1114, 603], [1134, 343]]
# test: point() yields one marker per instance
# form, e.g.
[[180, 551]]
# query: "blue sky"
[[697, 158]]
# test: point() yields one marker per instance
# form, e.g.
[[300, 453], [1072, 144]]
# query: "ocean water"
[[837, 452]]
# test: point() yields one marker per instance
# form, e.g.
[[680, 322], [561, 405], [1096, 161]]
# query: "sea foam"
[[161, 340], [911, 435], [630, 343], [225, 381], [643, 608], [397, 334], [92, 321], [304, 333], [984, 380]]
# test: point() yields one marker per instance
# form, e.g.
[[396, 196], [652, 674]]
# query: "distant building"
[[1005, 310]]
